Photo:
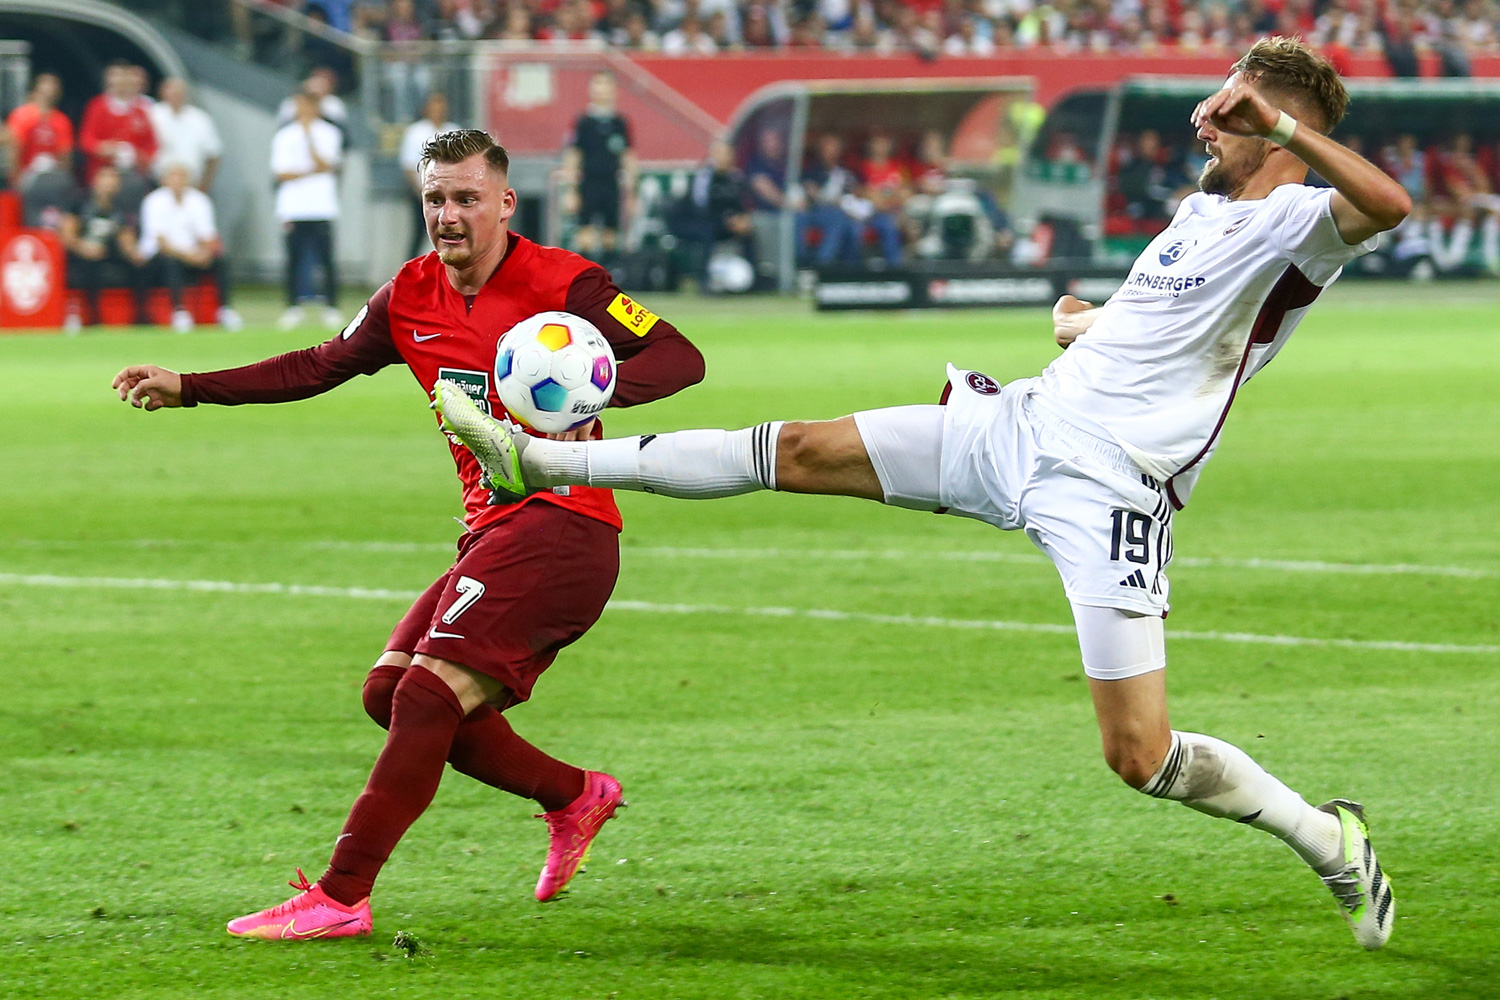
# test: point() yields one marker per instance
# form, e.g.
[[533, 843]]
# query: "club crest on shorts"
[[1175, 251], [982, 383]]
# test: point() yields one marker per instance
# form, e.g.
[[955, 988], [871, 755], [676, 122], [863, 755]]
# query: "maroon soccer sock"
[[487, 749], [424, 717]]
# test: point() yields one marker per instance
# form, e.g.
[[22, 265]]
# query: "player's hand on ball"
[[1238, 109], [148, 387], [1071, 317]]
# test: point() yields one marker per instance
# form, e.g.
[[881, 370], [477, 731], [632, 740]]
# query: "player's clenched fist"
[[147, 387], [1071, 317]]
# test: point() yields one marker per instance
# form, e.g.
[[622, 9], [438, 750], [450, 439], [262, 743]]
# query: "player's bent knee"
[[1135, 758], [379, 691]]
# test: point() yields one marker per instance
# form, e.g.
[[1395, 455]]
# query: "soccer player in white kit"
[[1092, 457]]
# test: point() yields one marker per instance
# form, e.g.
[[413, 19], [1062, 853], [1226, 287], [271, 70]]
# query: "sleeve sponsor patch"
[[632, 315]]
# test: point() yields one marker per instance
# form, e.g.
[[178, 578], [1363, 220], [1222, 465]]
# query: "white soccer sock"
[[1221, 780], [692, 465]]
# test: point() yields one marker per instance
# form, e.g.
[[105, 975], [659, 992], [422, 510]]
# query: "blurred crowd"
[[1401, 29], [1454, 183], [866, 199], [123, 189]]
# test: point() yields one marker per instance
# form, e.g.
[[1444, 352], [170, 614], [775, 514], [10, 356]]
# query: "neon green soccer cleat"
[[1361, 888], [488, 439]]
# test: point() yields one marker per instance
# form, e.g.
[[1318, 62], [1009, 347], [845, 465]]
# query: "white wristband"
[[1281, 132]]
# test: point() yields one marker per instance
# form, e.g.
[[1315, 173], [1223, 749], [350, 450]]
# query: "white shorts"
[[993, 454]]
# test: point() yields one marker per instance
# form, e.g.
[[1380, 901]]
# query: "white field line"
[[810, 555], [651, 607]]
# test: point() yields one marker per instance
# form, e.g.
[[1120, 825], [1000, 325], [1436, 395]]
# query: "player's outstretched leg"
[[1124, 656], [832, 457]]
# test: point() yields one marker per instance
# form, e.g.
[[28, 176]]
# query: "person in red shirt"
[[530, 578], [116, 129], [43, 136], [886, 189]]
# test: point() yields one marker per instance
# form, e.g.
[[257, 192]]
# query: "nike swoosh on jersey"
[[433, 633], [419, 338]]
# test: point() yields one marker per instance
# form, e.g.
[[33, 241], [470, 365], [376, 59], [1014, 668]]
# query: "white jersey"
[[1206, 306]]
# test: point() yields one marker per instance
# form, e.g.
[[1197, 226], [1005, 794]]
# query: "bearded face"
[[1234, 159]]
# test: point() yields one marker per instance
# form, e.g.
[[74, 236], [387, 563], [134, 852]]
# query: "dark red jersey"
[[417, 318]]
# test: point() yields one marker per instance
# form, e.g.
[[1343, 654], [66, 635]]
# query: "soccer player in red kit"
[[530, 577]]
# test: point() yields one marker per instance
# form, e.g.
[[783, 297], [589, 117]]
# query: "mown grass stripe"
[[653, 607]]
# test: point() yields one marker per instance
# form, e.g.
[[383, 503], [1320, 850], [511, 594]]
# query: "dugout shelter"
[[970, 114]]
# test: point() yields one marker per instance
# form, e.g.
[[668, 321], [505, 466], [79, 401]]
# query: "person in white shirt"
[[1092, 457], [305, 158], [321, 84], [180, 243], [434, 120], [185, 134]]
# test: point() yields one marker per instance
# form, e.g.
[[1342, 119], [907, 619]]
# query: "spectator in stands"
[[322, 86], [99, 235], [407, 75], [713, 211], [1143, 179], [42, 135], [884, 188], [688, 39], [305, 158], [117, 131], [766, 171], [597, 165], [612, 23], [1408, 164], [185, 134], [434, 120], [827, 186], [1400, 44], [638, 34], [764, 26], [456, 21], [966, 39], [180, 243]]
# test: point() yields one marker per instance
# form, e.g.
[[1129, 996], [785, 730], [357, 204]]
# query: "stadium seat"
[[117, 305]]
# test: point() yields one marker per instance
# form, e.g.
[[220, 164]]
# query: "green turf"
[[820, 808]]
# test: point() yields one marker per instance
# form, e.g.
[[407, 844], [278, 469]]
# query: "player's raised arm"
[[1366, 200], [655, 359], [363, 348]]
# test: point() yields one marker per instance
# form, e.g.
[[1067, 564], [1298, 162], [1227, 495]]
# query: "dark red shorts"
[[522, 589]]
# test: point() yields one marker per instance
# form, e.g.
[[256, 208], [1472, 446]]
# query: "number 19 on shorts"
[[1130, 537]]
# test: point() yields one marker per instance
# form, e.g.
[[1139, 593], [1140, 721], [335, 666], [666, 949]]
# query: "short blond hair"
[[1286, 69]]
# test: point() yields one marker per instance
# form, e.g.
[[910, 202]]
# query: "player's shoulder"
[[1297, 194], [419, 271], [551, 264]]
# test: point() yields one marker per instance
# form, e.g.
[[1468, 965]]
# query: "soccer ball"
[[554, 372]]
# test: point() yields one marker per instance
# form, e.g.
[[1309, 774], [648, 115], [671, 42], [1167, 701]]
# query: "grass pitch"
[[851, 804]]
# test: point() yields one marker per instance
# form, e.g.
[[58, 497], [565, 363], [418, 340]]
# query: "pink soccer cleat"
[[309, 914], [572, 829]]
